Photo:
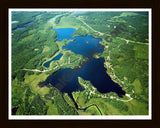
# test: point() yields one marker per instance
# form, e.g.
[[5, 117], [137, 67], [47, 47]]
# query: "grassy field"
[[68, 22], [104, 106], [134, 107], [72, 22], [137, 86], [137, 108], [33, 81], [68, 100], [52, 109]]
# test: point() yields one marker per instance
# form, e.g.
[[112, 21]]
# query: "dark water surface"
[[66, 80], [85, 45]]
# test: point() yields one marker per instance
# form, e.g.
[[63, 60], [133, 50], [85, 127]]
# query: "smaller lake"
[[20, 28], [65, 33], [55, 58], [24, 26]]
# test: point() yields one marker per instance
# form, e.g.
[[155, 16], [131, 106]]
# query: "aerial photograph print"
[[79, 63]]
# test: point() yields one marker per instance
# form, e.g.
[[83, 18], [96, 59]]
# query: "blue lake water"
[[55, 58], [66, 80], [64, 33]]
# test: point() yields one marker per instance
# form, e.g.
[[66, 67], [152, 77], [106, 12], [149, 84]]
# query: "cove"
[[66, 80]]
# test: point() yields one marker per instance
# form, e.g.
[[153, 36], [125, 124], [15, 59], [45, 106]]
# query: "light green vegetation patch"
[[119, 18], [72, 22], [137, 108], [52, 109], [33, 81], [92, 110], [62, 43], [137, 86], [125, 14], [68, 100], [141, 51], [105, 107], [45, 49], [68, 60], [25, 101], [62, 106], [69, 22]]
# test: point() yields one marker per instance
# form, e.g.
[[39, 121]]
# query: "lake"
[[66, 80], [21, 28], [64, 33], [55, 58], [85, 45]]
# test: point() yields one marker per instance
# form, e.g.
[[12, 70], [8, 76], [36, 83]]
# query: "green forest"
[[125, 38], [129, 25], [28, 45]]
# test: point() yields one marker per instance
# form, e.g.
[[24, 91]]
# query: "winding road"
[[128, 41]]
